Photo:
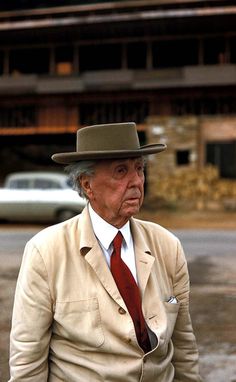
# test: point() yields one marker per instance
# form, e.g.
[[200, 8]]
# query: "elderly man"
[[104, 296]]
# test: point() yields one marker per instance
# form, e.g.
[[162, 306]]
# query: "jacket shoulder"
[[153, 231]]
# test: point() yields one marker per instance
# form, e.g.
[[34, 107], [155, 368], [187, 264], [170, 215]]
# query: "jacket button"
[[121, 310]]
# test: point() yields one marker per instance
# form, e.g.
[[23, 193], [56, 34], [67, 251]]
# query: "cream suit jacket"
[[70, 323]]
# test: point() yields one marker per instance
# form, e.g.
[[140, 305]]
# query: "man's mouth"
[[133, 199]]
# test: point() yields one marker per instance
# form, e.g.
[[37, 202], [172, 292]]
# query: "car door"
[[18, 201], [42, 198]]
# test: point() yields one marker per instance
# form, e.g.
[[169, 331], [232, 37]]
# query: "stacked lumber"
[[195, 188]]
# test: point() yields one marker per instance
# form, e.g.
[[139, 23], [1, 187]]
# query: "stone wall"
[[179, 134], [175, 180]]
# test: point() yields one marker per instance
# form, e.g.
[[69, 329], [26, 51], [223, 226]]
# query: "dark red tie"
[[130, 293]]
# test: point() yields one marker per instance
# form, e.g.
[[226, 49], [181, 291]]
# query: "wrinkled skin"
[[116, 190]]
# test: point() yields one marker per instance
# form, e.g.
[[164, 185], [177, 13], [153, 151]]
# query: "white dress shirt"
[[106, 233]]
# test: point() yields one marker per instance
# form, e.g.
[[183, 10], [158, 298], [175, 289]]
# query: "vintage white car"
[[39, 197]]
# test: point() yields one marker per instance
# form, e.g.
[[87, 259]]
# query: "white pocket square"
[[172, 300]]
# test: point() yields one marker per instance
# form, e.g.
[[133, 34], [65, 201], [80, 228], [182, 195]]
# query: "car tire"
[[63, 215]]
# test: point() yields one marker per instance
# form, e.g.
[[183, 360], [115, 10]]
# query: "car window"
[[69, 183], [19, 183], [45, 184]]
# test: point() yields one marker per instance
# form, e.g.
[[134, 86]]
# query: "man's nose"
[[136, 178]]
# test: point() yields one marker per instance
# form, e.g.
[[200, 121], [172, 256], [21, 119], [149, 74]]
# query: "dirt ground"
[[213, 297]]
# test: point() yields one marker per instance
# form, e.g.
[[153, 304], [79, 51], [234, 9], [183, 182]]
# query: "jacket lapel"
[[144, 259]]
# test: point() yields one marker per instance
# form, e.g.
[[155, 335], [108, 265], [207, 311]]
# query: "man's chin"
[[132, 210]]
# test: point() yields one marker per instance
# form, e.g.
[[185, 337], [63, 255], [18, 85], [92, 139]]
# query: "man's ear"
[[85, 184]]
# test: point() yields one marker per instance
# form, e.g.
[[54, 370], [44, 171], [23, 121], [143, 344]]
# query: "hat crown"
[[112, 137]]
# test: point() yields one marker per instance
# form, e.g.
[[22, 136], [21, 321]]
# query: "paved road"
[[195, 242], [12, 240], [208, 242]]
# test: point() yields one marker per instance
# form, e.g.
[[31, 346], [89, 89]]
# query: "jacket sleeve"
[[31, 321], [185, 359]]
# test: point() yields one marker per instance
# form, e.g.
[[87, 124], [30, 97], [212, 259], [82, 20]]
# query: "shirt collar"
[[100, 226]]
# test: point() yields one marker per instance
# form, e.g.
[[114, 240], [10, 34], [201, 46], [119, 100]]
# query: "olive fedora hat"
[[109, 141]]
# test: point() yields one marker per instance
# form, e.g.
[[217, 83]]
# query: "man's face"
[[116, 190]]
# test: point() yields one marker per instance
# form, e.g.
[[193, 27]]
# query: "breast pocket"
[[79, 322]]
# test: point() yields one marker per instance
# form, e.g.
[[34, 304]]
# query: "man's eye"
[[121, 170], [140, 168]]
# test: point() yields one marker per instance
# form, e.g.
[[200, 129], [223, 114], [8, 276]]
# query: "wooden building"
[[149, 61]]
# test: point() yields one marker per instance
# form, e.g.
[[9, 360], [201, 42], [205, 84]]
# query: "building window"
[[100, 57], [109, 112], [19, 116], [223, 155], [232, 44], [64, 53], [137, 55], [203, 106], [64, 60], [215, 51], [182, 157], [175, 53], [1, 62], [29, 61]]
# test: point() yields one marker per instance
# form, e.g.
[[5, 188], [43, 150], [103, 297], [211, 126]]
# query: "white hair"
[[75, 170]]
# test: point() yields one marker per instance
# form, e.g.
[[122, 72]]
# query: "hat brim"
[[70, 157]]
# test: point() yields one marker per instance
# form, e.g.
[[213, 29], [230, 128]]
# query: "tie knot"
[[118, 241]]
